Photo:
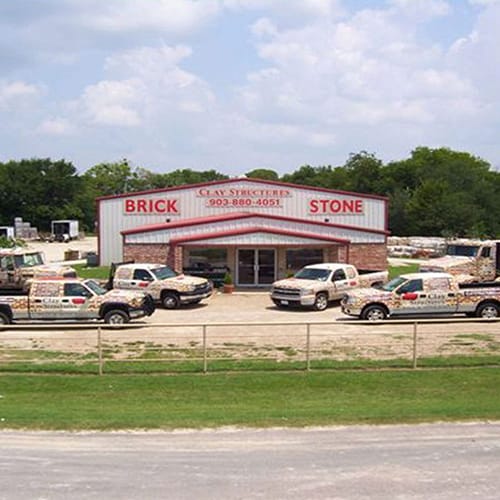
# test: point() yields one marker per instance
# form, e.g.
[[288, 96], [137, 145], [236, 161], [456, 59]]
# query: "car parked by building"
[[318, 284], [165, 286], [51, 299], [423, 294]]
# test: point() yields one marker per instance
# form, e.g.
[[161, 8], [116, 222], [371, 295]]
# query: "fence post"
[[205, 360], [99, 350], [308, 347], [415, 345]]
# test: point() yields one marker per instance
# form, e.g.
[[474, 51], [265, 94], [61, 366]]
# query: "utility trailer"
[[64, 230]]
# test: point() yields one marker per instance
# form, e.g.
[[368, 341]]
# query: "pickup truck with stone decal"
[[74, 299], [423, 294], [167, 287], [18, 266], [318, 284]]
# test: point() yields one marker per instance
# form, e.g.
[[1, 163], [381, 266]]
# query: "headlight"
[[305, 291]]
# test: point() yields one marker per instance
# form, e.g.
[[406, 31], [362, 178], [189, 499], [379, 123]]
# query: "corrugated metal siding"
[[164, 236], [113, 220], [262, 239]]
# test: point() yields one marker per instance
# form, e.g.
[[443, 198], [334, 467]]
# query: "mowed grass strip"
[[247, 399]]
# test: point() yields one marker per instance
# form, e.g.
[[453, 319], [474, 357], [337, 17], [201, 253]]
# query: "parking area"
[[241, 306]]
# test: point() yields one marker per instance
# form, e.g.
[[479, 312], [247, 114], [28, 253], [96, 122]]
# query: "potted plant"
[[228, 286]]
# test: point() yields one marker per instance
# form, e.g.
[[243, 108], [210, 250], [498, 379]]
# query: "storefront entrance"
[[256, 266]]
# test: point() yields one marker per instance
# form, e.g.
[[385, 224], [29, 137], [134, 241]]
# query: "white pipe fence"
[[304, 345]]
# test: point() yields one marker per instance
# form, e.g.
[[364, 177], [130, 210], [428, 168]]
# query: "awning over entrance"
[[257, 236], [249, 228]]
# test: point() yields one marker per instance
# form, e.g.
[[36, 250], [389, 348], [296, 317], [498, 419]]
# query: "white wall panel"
[[242, 195]]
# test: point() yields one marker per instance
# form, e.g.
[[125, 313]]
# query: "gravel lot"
[[54, 252]]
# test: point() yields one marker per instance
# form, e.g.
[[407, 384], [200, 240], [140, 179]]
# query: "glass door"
[[265, 266], [256, 266], [246, 266]]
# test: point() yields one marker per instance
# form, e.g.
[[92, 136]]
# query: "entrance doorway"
[[256, 266]]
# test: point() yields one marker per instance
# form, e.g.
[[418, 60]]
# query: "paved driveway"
[[444, 461]]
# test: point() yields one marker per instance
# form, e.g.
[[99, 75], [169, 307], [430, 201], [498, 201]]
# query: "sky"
[[238, 85]]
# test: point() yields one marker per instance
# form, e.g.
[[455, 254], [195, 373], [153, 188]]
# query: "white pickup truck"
[[424, 294], [74, 299], [167, 287], [318, 284]]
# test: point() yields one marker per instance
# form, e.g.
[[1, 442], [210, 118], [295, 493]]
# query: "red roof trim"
[[251, 180], [241, 215], [255, 229]]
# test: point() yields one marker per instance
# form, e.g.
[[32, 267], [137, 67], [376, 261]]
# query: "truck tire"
[[374, 313], [321, 302], [116, 317], [170, 300], [488, 310], [4, 319]]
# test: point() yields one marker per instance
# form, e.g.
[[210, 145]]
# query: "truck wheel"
[[321, 302], [4, 319], [170, 301], [488, 310], [374, 313], [116, 317]]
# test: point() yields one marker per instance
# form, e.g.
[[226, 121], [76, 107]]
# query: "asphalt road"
[[439, 461]]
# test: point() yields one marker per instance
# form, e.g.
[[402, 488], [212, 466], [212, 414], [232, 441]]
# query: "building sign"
[[335, 206], [151, 206], [243, 198]]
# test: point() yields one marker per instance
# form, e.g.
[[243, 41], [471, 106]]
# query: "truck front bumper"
[[293, 300], [350, 311], [190, 297]]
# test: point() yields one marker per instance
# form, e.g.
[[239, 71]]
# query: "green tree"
[[364, 173], [39, 190], [263, 173], [447, 192]]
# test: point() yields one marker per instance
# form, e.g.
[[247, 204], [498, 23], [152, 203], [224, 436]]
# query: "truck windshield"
[[95, 287], [393, 284], [313, 274], [163, 273], [28, 259], [462, 250]]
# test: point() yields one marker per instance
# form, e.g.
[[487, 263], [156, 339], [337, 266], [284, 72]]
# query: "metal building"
[[260, 230]]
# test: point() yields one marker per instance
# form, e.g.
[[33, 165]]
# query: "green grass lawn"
[[247, 399], [395, 271], [99, 273]]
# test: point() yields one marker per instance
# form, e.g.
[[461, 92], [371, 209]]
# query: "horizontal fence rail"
[[228, 346]]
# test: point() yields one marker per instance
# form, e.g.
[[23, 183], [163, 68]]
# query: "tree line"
[[434, 192]]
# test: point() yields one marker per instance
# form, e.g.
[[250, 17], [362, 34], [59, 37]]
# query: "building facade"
[[260, 230]]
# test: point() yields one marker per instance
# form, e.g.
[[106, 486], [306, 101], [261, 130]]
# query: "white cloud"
[[56, 127], [422, 9], [160, 15], [323, 80], [313, 8], [17, 92], [113, 103]]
